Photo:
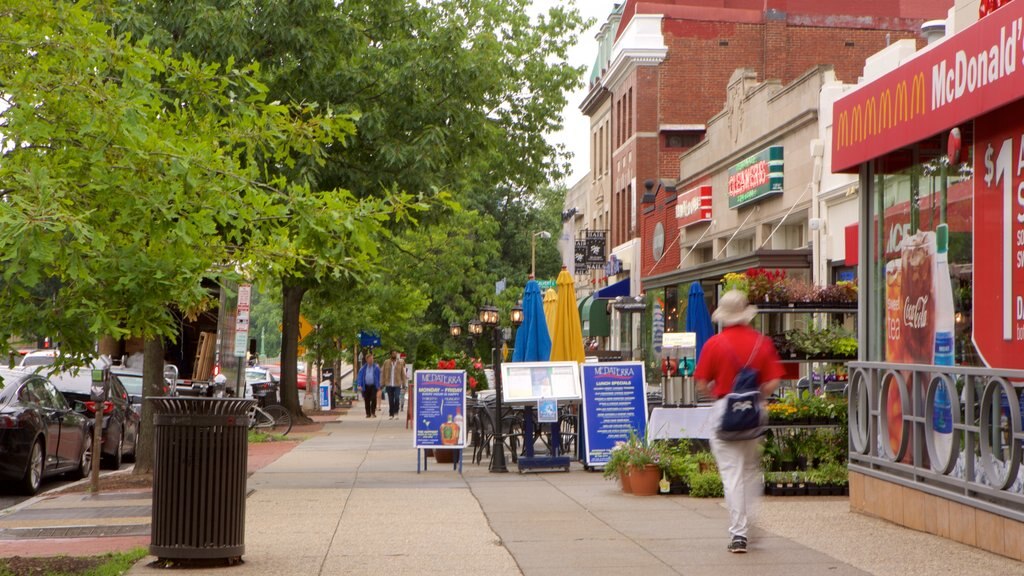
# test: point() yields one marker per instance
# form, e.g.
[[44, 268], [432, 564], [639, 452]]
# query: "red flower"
[[477, 366], [472, 383]]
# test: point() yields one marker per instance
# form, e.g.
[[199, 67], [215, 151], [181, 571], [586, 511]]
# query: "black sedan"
[[40, 435], [121, 422]]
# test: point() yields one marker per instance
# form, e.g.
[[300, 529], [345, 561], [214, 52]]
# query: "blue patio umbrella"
[[698, 319], [533, 341]]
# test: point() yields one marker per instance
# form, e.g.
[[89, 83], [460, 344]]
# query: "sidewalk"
[[349, 501]]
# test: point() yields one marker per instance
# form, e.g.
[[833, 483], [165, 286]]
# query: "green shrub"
[[706, 485]]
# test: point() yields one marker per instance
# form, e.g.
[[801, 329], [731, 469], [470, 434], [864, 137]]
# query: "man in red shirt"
[[723, 356]]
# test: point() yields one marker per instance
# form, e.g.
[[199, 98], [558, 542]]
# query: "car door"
[[130, 419], [72, 433], [33, 395]]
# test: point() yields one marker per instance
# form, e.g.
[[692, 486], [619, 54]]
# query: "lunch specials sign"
[[999, 237], [756, 177]]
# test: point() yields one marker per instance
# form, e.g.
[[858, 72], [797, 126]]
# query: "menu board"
[[614, 404], [439, 409], [532, 381]]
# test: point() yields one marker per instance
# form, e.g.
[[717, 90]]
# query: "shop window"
[[671, 309], [908, 206]]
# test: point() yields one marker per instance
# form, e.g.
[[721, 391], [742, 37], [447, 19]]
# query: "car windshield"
[[132, 384], [40, 360], [80, 383], [258, 375]]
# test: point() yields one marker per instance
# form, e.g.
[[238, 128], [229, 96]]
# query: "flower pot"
[[644, 481], [624, 480]]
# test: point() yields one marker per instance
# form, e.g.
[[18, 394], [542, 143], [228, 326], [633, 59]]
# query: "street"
[[9, 499]]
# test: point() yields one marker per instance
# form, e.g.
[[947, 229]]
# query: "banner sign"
[[614, 404], [532, 381], [242, 320], [999, 235], [580, 257], [693, 206], [973, 72], [756, 178], [439, 409], [596, 248]]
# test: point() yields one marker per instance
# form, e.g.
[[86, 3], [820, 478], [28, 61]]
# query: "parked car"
[[259, 382], [121, 422], [39, 358], [131, 380], [40, 435]]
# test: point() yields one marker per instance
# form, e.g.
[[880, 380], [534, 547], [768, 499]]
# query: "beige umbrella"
[[550, 309], [567, 343]]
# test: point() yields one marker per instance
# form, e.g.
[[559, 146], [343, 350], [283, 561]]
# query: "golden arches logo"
[[885, 109], [843, 130], [917, 95], [901, 103], [878, 114]]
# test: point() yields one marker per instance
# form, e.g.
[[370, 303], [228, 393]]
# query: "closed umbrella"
[[550, 309], [567, 345], [533, 342], [698, 319]]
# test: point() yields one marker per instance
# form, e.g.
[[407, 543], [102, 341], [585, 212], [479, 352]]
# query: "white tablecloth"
[[680, 423]]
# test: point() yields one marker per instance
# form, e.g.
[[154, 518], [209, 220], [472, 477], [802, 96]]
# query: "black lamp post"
[[489, 317], [455, 330]]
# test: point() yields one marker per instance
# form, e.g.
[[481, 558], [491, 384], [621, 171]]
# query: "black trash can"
[[199, 478]]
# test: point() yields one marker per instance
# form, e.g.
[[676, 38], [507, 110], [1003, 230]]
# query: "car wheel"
[[34, 471], [85, 462], [113, 461]]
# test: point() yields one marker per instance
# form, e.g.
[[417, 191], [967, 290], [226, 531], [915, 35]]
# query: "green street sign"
[[756, 178], [545, 284]]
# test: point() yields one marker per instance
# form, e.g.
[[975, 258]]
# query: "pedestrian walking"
[[393, 379], [368, 382], [721, 359]]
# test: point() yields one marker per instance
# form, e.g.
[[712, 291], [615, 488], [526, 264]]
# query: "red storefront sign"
[[694, 206], [969, 74], [999, 236]]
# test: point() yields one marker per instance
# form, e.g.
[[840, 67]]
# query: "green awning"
[[594, 316]]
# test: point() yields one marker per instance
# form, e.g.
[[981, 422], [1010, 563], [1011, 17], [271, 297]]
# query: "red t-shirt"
[[725, 354]]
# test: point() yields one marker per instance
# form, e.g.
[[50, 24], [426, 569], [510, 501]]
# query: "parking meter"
[[98, 390]]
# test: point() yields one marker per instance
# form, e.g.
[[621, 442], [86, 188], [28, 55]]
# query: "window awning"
[[620, 288], [594, 318]]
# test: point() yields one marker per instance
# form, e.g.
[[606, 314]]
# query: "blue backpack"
[[743, 417]]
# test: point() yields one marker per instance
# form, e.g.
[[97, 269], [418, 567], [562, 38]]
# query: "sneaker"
[[738, 545]]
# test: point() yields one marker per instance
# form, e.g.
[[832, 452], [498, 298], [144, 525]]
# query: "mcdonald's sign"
[[974, 72]]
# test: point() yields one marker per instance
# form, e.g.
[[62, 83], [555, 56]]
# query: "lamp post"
[[455, 330], [489, 317], [533, 250]]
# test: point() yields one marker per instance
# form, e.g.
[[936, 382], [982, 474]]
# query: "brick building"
[[663, 66]]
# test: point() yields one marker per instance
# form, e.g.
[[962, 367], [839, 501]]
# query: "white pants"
[[739, 464]]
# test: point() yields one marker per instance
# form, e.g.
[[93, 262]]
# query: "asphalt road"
[[8, 498]]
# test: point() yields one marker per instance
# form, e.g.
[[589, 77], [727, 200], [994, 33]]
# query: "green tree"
[[129, 176], [452, 95]]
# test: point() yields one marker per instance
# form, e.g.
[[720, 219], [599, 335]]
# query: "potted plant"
[[617, 466], [677, 463], [642, 465]]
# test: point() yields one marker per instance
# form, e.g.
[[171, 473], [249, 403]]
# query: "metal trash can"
[[199, 478]]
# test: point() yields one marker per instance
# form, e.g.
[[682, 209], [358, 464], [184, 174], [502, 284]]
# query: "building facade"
[[937, 397]]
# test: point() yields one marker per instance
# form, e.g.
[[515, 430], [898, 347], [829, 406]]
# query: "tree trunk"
[[291, 304], [152, 385]]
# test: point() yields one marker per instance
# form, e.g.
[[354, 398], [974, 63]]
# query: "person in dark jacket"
[[368, 381]]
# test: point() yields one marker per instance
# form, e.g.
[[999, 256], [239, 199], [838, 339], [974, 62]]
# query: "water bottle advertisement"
[[439, 409]]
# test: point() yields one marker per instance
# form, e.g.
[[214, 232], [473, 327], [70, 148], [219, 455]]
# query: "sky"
[[576, 134]]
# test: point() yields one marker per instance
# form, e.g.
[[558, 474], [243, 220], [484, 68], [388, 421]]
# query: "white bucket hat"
[[733, 309]]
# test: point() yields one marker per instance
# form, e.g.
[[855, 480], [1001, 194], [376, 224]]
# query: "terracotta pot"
[[644, 481], [624, 479]]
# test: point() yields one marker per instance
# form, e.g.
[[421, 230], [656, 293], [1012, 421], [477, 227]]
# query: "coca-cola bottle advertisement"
[[917, 291]]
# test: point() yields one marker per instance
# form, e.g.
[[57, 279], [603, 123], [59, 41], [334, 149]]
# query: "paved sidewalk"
[[349, 501]]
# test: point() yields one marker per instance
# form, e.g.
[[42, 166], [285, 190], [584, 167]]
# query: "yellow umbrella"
[[550, 309], [567, 343]]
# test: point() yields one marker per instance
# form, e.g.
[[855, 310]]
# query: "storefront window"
[[921, 269]]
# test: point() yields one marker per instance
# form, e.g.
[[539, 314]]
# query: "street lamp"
[[489, 317], [475, 328], [533, 250], [455, 330], [517, 315]]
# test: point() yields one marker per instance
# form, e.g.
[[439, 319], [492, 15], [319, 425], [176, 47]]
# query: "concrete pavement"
[[349, 501]]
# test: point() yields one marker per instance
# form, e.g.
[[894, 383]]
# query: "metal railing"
[[975, 456]]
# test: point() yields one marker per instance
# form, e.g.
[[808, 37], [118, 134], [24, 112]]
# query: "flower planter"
[[776, 489], [625, 482], [644, 481], [678, 488]]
